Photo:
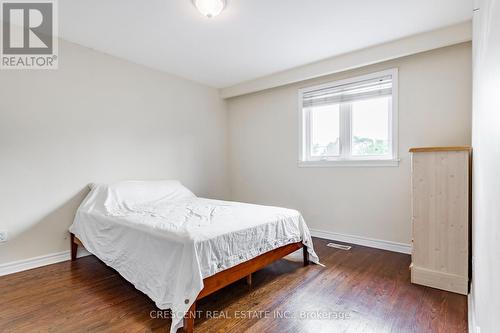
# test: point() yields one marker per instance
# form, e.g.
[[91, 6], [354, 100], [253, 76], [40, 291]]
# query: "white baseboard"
[[471, 312], [364, 241], [48, 259]]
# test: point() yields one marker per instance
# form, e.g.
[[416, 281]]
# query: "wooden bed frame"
[[226, 277]]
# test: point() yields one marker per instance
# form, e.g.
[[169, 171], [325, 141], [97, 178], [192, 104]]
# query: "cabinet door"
[[440, 205]]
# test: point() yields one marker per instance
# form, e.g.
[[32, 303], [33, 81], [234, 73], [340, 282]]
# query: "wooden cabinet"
[[440, 189]]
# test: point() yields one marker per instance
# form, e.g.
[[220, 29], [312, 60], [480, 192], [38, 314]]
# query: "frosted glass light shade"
[[210, 8]]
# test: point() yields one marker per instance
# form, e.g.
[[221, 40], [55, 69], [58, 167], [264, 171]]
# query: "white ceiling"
[[251, 38]]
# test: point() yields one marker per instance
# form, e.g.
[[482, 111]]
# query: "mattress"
[[166, 254]]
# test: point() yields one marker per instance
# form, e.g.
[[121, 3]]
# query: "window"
[[351, 122]]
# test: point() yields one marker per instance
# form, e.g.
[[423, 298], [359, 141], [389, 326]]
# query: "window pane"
[[325, 130], [370, 127]]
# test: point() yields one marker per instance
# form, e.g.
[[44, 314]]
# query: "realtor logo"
[[28, 35]]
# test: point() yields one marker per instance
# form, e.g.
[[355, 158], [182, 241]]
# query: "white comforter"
[[167, 250]]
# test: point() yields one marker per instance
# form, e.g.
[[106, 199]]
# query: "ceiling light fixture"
[[210, 8]]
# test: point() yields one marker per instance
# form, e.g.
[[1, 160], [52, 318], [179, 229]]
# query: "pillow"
[[138, 197]]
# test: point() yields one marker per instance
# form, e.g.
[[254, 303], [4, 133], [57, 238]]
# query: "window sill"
[[349, 163]]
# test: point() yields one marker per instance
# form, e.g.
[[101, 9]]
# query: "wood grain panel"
[[440, 219], [438, 149]]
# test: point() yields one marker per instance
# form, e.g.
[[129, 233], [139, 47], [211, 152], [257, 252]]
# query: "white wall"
[[486, 181], [434, 110], [97, 119]]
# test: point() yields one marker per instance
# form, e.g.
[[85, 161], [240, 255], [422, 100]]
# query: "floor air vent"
[[339, 246]]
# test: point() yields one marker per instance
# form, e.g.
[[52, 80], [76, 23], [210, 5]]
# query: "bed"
[[178, 248]]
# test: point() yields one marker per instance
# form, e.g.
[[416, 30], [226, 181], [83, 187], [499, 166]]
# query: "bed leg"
[[189, 319], [306, 255], [249, 281], [74, 247]]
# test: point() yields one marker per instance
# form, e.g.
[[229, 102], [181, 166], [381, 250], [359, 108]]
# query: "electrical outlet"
[[3, 236]]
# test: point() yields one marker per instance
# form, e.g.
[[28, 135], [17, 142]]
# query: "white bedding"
[[166, 249]]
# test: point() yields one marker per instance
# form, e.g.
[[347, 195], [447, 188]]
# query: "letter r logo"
[[27, 27]]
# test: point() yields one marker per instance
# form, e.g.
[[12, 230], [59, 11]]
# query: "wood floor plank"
[[370, 288]]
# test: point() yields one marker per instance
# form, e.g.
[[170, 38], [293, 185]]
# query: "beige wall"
[[97, 119], [100, 119], [485, 295], [434, 110]]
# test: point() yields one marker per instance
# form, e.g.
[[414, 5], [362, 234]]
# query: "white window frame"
[[345, 159]]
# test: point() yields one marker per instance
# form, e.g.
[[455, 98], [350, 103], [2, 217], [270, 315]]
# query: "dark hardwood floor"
[[361, 290]]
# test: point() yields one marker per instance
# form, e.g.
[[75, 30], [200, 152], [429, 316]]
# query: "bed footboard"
[[243, 270]]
